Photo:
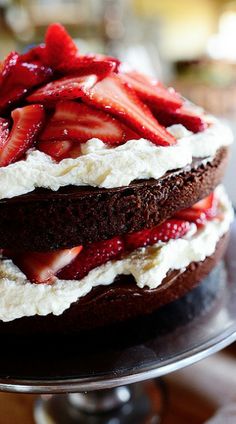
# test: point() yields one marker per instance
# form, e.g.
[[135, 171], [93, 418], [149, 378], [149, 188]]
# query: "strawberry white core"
[[149, 266], [101, 166]]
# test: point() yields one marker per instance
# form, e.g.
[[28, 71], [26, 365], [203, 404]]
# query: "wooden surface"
[[194, 393], [16, 409]]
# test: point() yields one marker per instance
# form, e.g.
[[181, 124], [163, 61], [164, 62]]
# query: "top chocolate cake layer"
[[45, 220]]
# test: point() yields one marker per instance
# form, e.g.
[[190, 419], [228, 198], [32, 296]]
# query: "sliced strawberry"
[[60, 47], [18, 77], [138, 239], [27, 122], [92, 256], [42, 267], [9, 63], [57, 149], [4, 131], [130, 134], [76, 121], [70, 111], [196, 216], [201, 211], [132, 77], [30, 74], [97, 67], [151, 91], [60, 149], [35, 55], [9, 98], [75, 151], [170, 229], [189, 119], [206, 203], [103, 57], [65, 88], [84, 65], [113, 95], [8, 94]]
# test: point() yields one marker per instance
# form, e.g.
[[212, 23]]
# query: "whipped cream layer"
[[101, 166], [148, 265]]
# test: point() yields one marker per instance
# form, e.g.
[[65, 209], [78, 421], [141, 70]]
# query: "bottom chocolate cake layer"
[[118, 302]]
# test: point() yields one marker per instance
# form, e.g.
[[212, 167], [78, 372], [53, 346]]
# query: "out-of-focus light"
[[222, 45], [227, 23]]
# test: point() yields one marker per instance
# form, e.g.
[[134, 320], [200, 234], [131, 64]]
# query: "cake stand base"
[[137, 403]]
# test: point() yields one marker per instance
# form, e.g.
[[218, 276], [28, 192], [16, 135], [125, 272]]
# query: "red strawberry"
[[9, 63], [196, 216], [18, 77], [84, 65], [42, 267], [8, 94], [201, 211], [189, 119], [60, 47], [208, 205], [91, 257], [27, 122], [130, 134], [30, 74], [4, 132], [76, 121], [97, 67], [75, 151], [151, 91], [65, 88], [9, 98], [57, 149], [35, 55], [103, 57], [170, 229], [113, 95], [60, 149], [138, 239]]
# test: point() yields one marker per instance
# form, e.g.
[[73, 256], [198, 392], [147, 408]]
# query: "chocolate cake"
[[110, 197], [81, 215]]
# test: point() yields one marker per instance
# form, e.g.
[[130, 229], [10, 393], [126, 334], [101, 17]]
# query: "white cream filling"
[[149, 266], [101, 166]]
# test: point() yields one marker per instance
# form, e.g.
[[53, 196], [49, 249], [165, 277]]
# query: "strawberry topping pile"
[[53, 98], [77, 262]]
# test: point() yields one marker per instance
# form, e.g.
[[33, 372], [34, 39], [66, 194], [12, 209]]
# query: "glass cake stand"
[[112, 376]]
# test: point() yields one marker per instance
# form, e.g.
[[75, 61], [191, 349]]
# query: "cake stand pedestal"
[[113, 375], [137, 403]]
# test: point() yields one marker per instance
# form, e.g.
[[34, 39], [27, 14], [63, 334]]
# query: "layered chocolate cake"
[[111, 203]]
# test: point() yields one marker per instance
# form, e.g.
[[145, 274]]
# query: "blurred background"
[[186, 43]]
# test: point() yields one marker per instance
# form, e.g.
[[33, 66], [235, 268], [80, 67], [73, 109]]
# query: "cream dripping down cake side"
[[111, 203]]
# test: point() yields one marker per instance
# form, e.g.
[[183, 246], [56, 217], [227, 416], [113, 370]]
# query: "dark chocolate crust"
[[118, 302], [44, 220]]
